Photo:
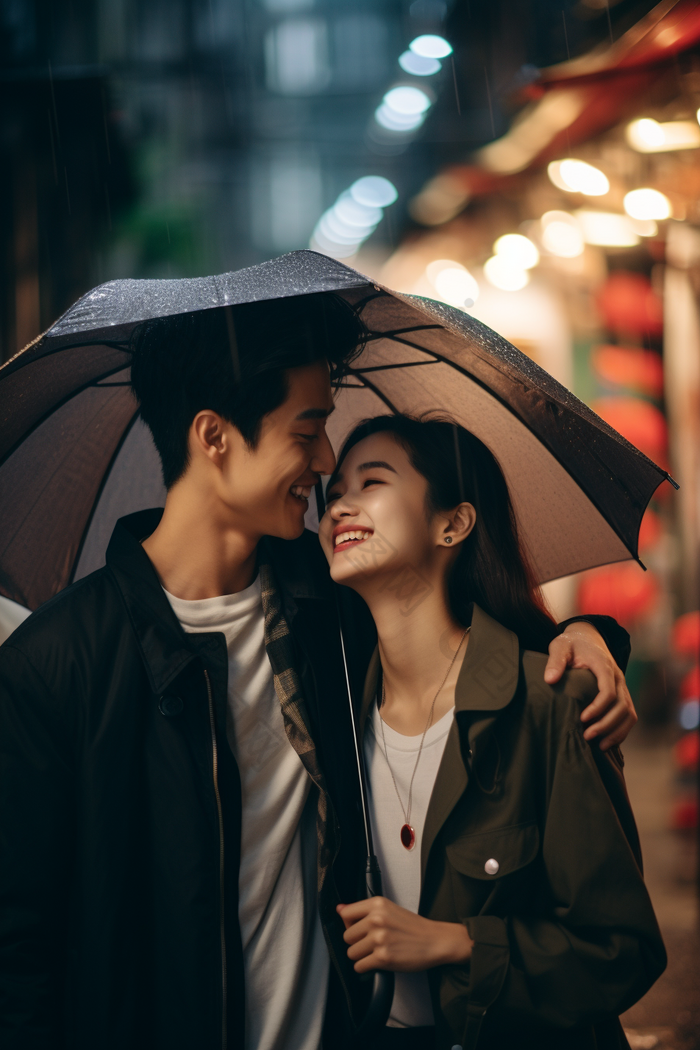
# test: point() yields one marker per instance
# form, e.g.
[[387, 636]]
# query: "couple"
[[180, 836]]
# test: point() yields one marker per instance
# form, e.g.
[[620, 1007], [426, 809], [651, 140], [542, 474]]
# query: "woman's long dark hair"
[[491, 568]]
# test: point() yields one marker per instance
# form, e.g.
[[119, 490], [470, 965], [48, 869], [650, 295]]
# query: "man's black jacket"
[[113, 898]]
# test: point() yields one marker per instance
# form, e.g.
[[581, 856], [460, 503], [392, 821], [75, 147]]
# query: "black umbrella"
[[74, 455]]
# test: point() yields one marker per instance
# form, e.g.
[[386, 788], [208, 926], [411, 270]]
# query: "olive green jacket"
[[565, 937]]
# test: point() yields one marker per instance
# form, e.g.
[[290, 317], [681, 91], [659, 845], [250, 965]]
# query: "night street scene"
[[350, 525]]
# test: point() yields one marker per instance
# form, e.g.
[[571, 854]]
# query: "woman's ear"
[[460, 523]]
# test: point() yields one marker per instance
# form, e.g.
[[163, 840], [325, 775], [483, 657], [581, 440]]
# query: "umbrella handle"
[[383, 980]]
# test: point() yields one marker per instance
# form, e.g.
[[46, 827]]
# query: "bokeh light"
[[646, 203], [607, 229], [453, 282], [374, 191], [575, 176], [430, 46], [419, 65], [561, 234], [501, 273], [649, 136], [519, 251]]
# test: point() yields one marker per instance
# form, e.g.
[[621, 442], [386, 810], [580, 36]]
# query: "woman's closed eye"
[[330, 496]]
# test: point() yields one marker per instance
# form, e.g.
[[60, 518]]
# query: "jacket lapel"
[[487, 682], [165, 648]]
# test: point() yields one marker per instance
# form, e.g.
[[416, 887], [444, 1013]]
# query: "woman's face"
[[376, 522]]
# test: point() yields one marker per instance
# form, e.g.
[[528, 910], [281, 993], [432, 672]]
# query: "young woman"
[[515, 913]]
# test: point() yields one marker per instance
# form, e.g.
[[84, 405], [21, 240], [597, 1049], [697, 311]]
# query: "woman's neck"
[[418, 648]]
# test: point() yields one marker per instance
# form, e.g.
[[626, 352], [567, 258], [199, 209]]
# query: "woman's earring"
[[448, 539]]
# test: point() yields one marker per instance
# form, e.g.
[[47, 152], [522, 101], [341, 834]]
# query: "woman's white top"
[[401, 881]]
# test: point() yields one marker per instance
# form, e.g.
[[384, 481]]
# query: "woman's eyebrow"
[[373, 464]]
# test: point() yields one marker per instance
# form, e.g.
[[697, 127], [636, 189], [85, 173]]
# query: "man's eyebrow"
[[374, 463], [315, 413]]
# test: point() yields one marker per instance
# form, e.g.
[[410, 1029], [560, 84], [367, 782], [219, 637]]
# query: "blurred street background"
[[533, 162]]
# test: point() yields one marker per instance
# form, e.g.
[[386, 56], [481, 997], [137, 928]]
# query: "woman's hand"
[[611, 714], [383, 936]]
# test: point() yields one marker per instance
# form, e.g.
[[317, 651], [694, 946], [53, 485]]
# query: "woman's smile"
[[345, 537]]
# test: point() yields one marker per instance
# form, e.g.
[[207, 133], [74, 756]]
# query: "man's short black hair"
[[233, 360]]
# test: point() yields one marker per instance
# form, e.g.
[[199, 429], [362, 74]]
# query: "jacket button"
[[491, 867], [170, 705]]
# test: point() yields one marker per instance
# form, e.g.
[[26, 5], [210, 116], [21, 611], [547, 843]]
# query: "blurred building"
[[158, 138]]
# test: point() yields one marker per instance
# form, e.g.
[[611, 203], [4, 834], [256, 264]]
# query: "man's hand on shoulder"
[[611, 715]]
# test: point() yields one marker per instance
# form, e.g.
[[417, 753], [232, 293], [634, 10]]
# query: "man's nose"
[[324, 458]]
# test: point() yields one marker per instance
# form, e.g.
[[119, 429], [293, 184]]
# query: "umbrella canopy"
[[74, 455]]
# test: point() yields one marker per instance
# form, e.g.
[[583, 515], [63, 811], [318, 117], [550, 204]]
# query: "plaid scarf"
[[280, 651]]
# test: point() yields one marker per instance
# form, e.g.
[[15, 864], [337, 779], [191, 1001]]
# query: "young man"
[[179, 809]]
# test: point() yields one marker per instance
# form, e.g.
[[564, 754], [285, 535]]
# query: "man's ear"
[[209, 435], [460, 523]]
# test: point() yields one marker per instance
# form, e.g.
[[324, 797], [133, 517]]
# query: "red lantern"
[[624, 591], [638, 421], [638, 370], [685, 637], [690, 686], [629, 305], [650, 530], [687, 751]]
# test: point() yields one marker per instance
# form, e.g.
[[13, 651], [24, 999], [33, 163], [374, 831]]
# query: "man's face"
[[267, 488]]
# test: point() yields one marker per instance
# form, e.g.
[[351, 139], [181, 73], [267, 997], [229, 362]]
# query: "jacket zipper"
[[215, 774]]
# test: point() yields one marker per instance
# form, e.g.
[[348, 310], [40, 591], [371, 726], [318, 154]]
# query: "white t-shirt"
[[285, 956], [400, 868]]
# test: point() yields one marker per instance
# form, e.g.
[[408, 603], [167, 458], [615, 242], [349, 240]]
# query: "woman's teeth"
[[301, 491], [353, 534]]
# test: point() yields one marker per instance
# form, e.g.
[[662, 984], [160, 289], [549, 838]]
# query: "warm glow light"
[[453, 282], [645, 227], [561, 234], [517, 250], [648, 136], [502, 274], [419, 65], [607, 229], [429, 46], [575, 176], [647, 204]]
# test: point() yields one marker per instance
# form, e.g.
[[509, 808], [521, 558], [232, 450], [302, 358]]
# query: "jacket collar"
[[487, 683], [163, 643], [489, 674], [300, 571]]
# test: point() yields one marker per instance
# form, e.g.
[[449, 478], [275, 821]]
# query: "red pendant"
[[408, 837]]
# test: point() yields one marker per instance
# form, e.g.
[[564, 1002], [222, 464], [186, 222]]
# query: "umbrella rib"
[[388, 368], [392, 333], [98, 495], [59, 404], [362, 303], [382, 397]]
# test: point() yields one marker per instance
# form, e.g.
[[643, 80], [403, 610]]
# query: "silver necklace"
[[407, 833]]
